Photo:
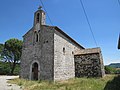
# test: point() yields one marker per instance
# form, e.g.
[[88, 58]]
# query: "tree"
[[12, 52], [1, 49]]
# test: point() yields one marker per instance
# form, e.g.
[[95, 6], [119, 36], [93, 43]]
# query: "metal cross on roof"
[[39, 7]]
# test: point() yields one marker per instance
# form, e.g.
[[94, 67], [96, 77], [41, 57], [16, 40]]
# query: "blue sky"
[[16, 18]]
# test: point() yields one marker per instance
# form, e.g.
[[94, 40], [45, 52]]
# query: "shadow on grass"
[[114, 84]]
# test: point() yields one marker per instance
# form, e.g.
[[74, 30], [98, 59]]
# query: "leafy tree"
[[12, 52], [1, 49]]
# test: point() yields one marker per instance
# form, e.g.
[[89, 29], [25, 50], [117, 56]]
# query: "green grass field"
[[109, 82]]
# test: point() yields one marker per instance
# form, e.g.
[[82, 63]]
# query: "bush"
[[117, 71], [5, 68], [17, 69], [110, 70]]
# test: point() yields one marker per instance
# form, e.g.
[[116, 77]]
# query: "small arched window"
[[63, 50], [37, 37], [72, 52], [38, 17]]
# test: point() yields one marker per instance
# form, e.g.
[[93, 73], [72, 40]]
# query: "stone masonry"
[[89, 63], [50, 54]]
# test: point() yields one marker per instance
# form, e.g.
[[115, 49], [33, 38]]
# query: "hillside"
[[109, 82], [115, 65]]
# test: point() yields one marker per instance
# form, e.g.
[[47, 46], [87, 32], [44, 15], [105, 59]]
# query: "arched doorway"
[[35, 71]]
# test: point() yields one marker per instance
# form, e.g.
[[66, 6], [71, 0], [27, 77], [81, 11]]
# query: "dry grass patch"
[[71, 84]]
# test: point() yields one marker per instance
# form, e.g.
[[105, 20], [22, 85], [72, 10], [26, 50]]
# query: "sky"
[[16, 18]]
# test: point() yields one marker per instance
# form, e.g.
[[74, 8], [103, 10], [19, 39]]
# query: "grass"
[[109, 82]]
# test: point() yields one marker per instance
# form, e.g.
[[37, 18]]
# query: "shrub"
[[5, 68], [110, 70]]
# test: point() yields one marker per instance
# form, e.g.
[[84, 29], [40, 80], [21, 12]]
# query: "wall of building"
[[63, 57], [41, 52], [27, 54], [47, 54], [89, 63]]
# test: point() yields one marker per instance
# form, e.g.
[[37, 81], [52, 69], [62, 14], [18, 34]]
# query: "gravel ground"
[[6, 86]]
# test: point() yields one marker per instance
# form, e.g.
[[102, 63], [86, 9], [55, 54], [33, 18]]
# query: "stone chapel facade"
[[50, 54]]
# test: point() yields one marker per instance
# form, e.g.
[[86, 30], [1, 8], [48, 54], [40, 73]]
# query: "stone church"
[[50, 54]]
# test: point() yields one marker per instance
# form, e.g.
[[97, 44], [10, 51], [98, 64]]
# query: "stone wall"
[[64, 48], [47, 54], [40, 52], [89, 63], [27, 54]]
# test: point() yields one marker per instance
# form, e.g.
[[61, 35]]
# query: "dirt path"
[[6, 86]]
